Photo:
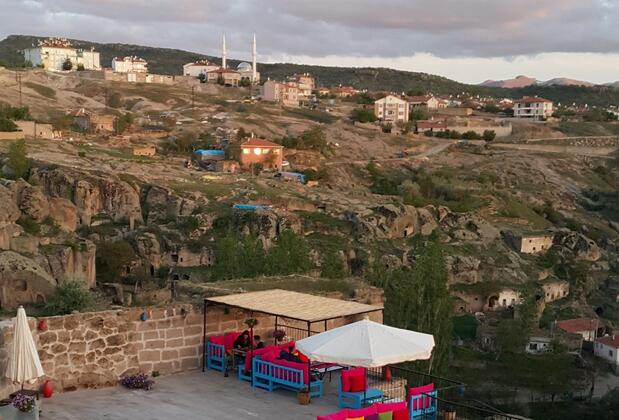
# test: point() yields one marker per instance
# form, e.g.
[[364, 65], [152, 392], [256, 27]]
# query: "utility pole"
[[193, 88], [18, 79]]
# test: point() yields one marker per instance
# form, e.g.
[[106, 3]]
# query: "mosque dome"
[[244, 67]]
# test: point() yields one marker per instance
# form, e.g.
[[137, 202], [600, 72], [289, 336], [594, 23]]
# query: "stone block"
[[149, 356], [90, 357], [147, 326], [190, 363], [193, 341], [115, 340], [157, 313], [225, 326], [154, 344], [96, 344], [173, 333], [91, 335], [111, 323], [64, 336], [47, 338], [169, 355], [145, 368], [127, 326], [77, 334], [188, 352], [164, 368], [55, 323], [112, 350], [164, 323], [61, 359], [77, 347], [174, 342], [77, 359], [193, 330], [71, 322], [58, 348], [150, 335], [96, 323]]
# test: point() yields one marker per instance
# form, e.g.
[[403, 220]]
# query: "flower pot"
[[450, 415], [303, 397]]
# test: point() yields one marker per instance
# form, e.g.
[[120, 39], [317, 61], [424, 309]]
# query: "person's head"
[[245, 333], [291, 349], [257, 338]]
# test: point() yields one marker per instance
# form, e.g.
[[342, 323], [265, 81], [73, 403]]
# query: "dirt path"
[[571, 150]]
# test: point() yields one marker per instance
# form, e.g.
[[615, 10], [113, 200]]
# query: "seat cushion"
[[347, 374], [387, 415], [393, 406], [361, 412], [401, 414], [357, 383]]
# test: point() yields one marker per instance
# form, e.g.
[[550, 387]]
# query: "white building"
[[129, 65], [199, 67], [391, 109], [533, 107], [607, 348], [52, 53], [585, 327], [538, 344]]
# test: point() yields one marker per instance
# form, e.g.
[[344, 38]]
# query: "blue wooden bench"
[[357, 399], [271, 376], [216, 358], [423, 406], [241, 374]]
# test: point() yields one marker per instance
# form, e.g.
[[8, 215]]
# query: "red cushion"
[[229, 339], [401, 415], [303, 358], [357, 383], [394, 406], [360, 412], [347, 374], [217, 339], [303, 367], [422, 402]]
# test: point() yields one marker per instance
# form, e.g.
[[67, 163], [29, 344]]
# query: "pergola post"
[[276, 329], [204, 335]]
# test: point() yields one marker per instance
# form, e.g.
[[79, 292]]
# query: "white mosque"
[[244, 71]]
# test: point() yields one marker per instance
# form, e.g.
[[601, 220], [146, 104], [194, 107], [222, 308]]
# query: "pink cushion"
[[303, 367], [340, 415], [360, 412], [394, 406], [217, 339], [423, 402], [346, 374], [229, 339], [401, 415], [263, 351]]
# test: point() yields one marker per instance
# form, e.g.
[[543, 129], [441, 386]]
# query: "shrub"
[[18, 159], [7, 125], [470, 135], [69, 297], [489, 135], [67, 65], [29, 225], [138, 381], [363, 115], [112, 258]]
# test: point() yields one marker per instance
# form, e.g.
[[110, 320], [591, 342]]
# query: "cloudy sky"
[[467, 40]]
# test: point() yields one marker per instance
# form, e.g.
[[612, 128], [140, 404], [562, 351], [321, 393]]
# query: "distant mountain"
[[613, 84], [518, 82], [524, 81], [170, 61]]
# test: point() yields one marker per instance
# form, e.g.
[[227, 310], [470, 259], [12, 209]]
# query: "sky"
[[466, 40]]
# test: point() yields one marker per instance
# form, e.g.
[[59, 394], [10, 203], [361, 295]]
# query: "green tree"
[[233, 151], [363, 115], [71, 296], [112, 260], [470, 135], [67, 64], [314, 139], [417, 299], [7, 125], [251, 257], [331, 266], [419, 114], [18, 159], [289, 255], [489, 135], [114, 100], [80, 67], [227, 263]]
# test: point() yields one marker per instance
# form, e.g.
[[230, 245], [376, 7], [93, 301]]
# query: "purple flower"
[[138, 381], [23, 403]]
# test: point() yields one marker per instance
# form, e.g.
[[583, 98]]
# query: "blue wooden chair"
[[423, 406], [357, 399]]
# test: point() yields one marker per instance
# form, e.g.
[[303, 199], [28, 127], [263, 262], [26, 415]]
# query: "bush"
[[470, 135], [138, 381], [363, 115], [29, 225], [18, 159], [7, 125], [489, 135], [112, 258], [67, 65], [69, 297]]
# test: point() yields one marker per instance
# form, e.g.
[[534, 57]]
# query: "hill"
[[170, 61]]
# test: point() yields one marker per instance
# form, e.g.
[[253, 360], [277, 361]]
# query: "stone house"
[[145, 151], [585, 327], [259, 151], [529, 243], [86, 121], [555, 290], [607, 348], [229, 77], [38, 130], [433, 126]]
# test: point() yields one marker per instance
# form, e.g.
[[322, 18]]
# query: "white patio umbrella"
[[24, 365], [367, 344]]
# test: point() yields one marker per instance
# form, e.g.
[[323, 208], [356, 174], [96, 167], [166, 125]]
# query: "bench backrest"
[[285, 372]]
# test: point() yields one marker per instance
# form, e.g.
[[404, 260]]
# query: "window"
[[257, 151], [610, 353], [245, 151]]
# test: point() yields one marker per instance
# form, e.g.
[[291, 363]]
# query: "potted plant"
[[251, 322], [25, 405], [279, 335], [303, 396]]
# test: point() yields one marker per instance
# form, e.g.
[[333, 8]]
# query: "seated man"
[[289, 355], [258, 343]]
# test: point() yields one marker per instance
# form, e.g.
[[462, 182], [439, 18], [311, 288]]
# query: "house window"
[[245, 151], [257, 151], [610, 353], [504, 302]]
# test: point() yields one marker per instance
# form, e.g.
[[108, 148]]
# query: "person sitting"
[[258, 343], [289, 355], [242, 342]]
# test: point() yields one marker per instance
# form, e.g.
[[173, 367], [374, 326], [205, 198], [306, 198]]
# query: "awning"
[[294, 305], [367, 344]]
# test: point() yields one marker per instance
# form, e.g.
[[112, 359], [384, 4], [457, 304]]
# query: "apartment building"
[[392, 109], [533, 107]]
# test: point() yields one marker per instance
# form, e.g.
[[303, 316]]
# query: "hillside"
[[170, 61]]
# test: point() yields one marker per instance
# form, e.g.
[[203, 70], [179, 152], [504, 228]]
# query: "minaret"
[[253, 61], [223, 51]]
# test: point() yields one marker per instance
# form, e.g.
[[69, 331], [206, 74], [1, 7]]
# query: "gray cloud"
[[386, 28]]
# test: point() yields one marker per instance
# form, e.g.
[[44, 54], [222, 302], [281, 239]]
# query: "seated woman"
[[242, 342], [289, 355]]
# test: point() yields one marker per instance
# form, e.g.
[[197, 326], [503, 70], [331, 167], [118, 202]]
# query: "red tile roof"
[[256, 142], [611, 341], [421, 99], [532, 99], [577, 325]]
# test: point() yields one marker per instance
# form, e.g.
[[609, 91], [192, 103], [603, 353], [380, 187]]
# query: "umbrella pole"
[[430, 367]]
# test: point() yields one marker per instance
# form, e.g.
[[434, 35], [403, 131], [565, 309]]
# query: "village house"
[[226, 77], [533, 107], [144, 151], [283, 93], [305, 83], [529, 243], [256, 151], [52, 53], [607, 348], [343, 91], [432, 126], [199, 67], [91, 122], [38, 130], [428, 102], [555, 290], [129, 65], [391, 109], [539, 343], [586, 327]]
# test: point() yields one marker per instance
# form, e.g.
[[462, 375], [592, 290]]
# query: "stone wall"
[[95, 349]]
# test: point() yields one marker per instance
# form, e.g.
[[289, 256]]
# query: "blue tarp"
[[252, 207], [299, 176], [209, 152]]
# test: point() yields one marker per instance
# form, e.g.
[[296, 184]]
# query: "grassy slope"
[[170, 61]]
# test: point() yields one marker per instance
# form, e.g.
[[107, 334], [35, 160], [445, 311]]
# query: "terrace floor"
[[192, 395]]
